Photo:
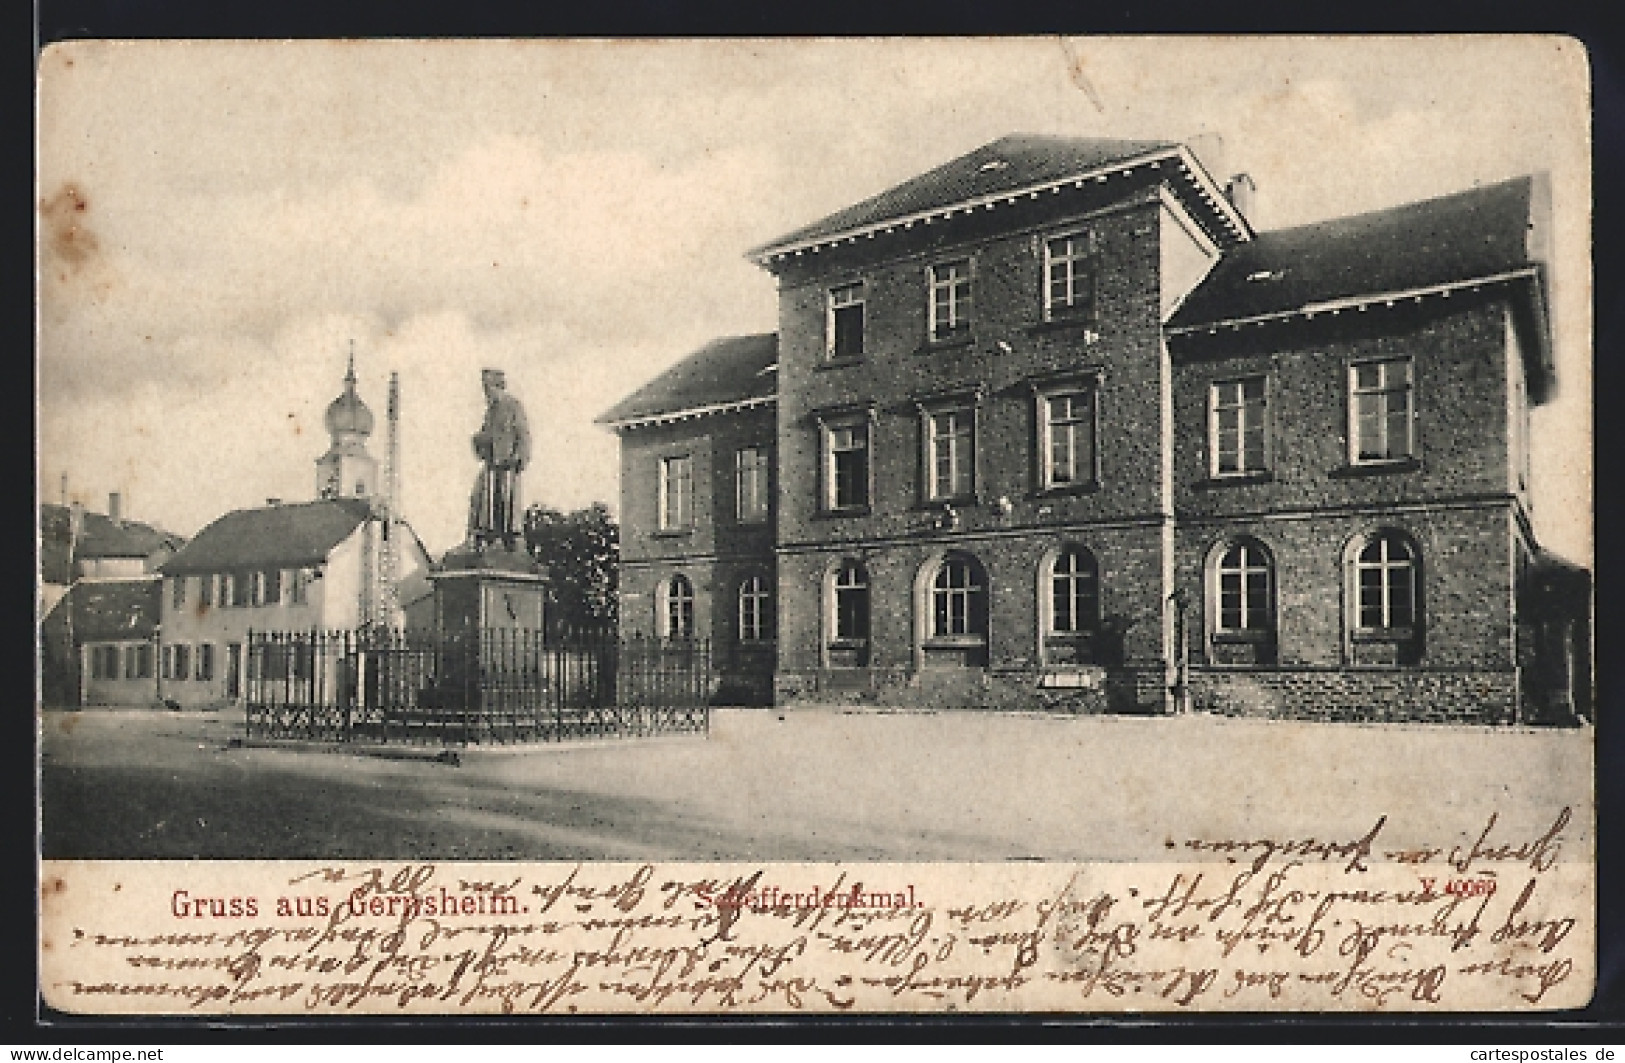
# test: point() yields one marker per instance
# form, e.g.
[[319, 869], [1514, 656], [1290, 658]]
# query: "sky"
[[220, 221]]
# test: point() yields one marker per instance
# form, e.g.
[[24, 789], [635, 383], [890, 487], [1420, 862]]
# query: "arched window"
[[956, 613], [1385, 573], [1244, 589], [1069, 607], [848, 645], [677, 608], [1074, 592], [1383, 595], [1241, 603], [755, 611], [1385, 599]]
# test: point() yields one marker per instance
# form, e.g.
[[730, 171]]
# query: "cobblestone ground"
[[804, 785]]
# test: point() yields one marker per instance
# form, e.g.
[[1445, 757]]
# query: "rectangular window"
[[256, 588], [273, 586], [205, 661], [143, 661], [950, 299], [183, 661], [1380, 411], [845, 326], [846, 465], [298, 585], [676, 493], [1067, 438], [242, 589], [951, 452], [205, 585], [750, 484], [1069, 277], [1236, 426], [177, 591], [131, 664]]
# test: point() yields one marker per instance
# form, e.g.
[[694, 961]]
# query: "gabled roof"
[[1016, 164], [283, 536], [109, 610], [100, 536], [1488, 232], [735, 372]]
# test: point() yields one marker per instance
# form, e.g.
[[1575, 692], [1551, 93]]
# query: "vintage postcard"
[[894, 525]]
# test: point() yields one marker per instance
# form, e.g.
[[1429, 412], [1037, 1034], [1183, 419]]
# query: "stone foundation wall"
[[1370, 695], [1078, 691]]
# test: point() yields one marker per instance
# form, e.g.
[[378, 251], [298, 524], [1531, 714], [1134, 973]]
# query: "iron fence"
[[493, 685]]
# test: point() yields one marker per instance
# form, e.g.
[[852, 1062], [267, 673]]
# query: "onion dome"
[[347, 414]]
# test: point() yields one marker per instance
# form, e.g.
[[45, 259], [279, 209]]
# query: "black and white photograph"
[[1006, 481]]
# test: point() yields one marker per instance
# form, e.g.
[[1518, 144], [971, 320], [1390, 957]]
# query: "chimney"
[[113, 501], [1240, 190]]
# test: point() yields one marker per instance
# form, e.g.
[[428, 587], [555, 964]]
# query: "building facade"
[[99, 604], [1054, 427], [698, 482], [288, 567]]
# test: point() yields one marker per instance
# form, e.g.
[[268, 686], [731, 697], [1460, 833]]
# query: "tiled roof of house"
[[725, 371], [282, 536], [100, 536], [1019, 161], [109, 610], [1481, 233]]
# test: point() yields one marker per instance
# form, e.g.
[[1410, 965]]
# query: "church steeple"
[[347, 470]]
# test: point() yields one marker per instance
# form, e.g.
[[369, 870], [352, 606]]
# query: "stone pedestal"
[[490, 589]]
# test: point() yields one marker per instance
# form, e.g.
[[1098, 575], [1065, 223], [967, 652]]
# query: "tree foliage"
[[582, 552]]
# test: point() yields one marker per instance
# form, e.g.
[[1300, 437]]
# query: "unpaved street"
[[813, 785]]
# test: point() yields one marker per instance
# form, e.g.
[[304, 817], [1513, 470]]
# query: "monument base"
[[490, 588]]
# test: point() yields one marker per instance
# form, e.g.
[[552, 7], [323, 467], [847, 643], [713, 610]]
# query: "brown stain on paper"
[[64, 230]]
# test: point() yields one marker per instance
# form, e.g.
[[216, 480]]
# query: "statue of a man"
[[503, 445]]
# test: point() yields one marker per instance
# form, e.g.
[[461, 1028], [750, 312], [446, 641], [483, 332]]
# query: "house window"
[[1074, 592], [1236, 427], [846, 466], [1069, 277], [131, 664], [750, 485], [1067, 425], [272, 578], [256, 588], [183, 661], [177, 591], [676, 493], [143, 661], [845, 325], [1385, 600], [955, 624], [849, 620], [205, 661], [230, 585], [950, 299], [959, 599], [98, 662], [1380, 411], [755, 619], [677, 608], [951, 453], [1242, 582], [1385, 574], [298, 585]]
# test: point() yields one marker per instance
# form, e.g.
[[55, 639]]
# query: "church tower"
[[347, 470]]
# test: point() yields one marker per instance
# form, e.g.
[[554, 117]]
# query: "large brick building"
[[1051, 425]]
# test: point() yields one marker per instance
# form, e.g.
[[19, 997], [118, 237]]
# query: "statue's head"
[[493, 381]]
